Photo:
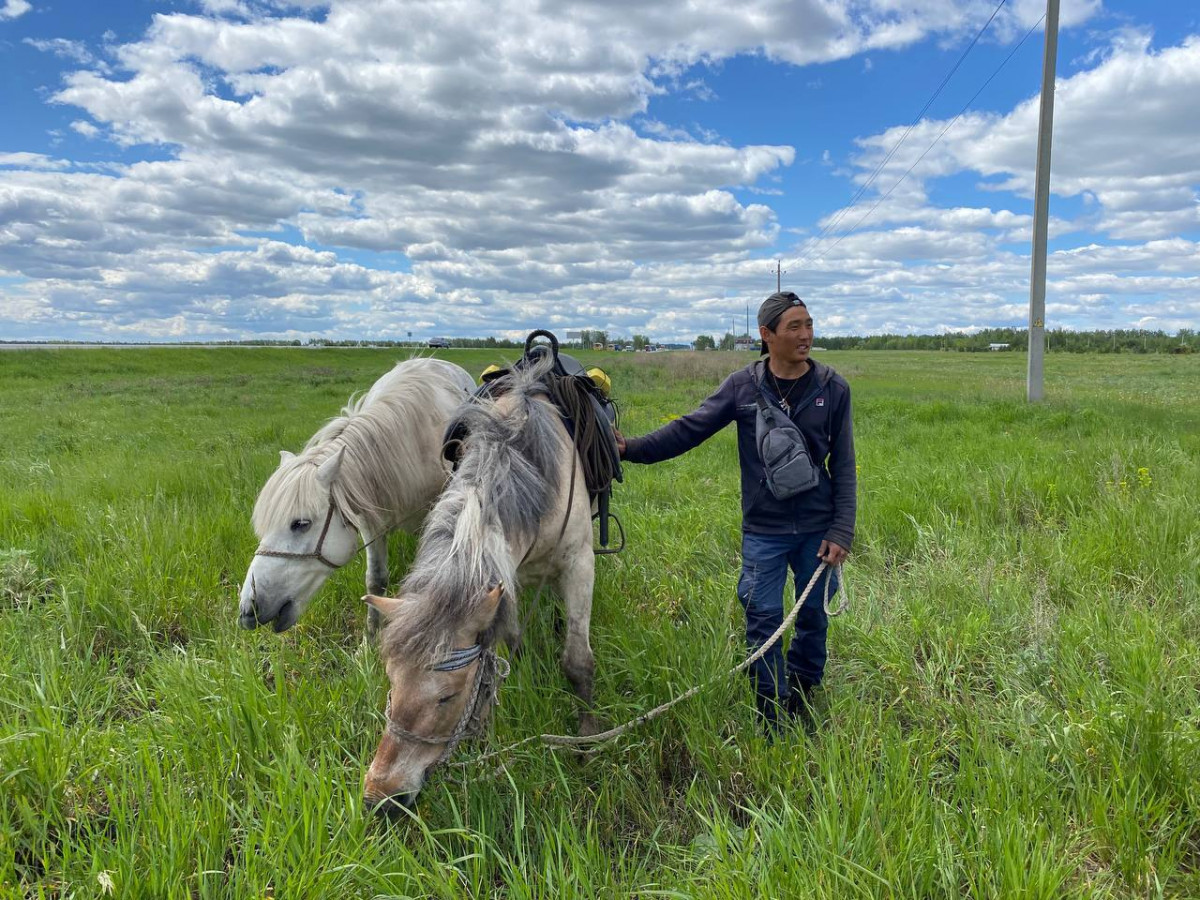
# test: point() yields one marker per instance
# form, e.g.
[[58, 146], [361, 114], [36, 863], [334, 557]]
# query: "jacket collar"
[[824, 373]]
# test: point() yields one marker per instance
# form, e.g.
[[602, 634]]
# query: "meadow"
[[1011, 708]]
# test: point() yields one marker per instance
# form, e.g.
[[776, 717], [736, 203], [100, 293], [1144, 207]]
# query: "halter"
[[489, 676], [315, 554]]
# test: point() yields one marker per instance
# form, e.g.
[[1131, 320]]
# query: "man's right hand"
[[832, 554], [620, 443]]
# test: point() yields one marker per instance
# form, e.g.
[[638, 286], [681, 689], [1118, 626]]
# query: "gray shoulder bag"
[[786, 461]]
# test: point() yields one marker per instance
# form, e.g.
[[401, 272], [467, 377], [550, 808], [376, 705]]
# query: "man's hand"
[[620, 443], [832, 554]]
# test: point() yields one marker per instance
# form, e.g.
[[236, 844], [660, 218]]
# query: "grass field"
[[1011, 708]]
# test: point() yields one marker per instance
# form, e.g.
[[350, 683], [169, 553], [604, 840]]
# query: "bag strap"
[[777, 416], [760, 386]]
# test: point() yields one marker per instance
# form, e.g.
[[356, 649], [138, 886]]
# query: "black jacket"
[[823, 415]]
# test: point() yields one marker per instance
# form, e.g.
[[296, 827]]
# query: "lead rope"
[[844, 603], [577, 742]]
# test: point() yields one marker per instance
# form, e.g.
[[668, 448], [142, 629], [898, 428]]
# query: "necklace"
[[783, 398]]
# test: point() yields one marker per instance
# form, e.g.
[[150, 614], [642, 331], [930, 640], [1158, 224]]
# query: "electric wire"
[[916, 121], [925, 152]]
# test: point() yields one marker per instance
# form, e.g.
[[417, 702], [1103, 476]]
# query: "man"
[[814, 526]]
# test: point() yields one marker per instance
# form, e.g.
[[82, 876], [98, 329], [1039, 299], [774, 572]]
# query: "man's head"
[[785, 326]]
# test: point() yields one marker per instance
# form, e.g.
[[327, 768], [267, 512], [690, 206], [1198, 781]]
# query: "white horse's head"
[[303, 536]]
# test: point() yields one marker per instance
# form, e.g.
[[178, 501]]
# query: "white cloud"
[[14, 8], [501, 158], [75, 51], [1125, 135], [25, 160]]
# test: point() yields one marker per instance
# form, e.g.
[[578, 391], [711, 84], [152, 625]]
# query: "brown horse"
[[516, 508]]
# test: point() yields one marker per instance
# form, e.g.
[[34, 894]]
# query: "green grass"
[[1011, 707]]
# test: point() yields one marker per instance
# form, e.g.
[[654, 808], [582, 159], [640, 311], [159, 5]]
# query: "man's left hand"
[[832, 554]]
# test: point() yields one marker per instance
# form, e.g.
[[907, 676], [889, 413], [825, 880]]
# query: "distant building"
[[997, 346], [746, 343]]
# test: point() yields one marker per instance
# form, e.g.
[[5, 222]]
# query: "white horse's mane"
[[380, 476]]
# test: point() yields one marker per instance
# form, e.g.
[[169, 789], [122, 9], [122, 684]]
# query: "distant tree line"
[[1058, 340], [1128, 340], [463, 343], [592, 337]]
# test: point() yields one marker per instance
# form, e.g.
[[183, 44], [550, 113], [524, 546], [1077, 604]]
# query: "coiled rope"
[[573, 396]]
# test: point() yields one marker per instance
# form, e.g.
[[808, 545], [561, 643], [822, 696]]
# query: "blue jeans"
[[765, 561]]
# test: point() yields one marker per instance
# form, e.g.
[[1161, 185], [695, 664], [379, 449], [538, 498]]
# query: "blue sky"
[[229, 169]]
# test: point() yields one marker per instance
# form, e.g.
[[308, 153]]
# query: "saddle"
[[588, 413]]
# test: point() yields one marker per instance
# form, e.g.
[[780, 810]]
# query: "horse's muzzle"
[[397, 806], [283, 619]]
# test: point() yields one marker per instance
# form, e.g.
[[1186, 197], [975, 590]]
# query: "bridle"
[[490, 672], [317, 553]]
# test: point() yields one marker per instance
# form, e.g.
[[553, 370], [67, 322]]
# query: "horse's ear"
[[286, 456], [327, 471], [485, 614], [387, 606]]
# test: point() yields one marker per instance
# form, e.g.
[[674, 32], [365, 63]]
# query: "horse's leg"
[[377, 577], [575, 585]]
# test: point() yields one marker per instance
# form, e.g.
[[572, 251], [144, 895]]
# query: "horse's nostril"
[[397, 806]]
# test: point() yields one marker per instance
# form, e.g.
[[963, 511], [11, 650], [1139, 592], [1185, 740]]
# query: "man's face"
[[792, 338]]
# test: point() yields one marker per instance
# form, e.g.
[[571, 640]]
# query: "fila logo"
[[820, 401]]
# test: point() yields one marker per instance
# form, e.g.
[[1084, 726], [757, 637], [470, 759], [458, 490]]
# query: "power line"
[[925, 152], [924, 109]]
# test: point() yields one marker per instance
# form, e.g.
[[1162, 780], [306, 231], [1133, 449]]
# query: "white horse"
[[374, 469], [517, 507]]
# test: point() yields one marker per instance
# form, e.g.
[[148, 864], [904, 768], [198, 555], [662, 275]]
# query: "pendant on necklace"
[[785, 406]]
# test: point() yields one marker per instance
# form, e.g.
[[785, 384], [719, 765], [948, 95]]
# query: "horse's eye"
[[299, 526], [447, 698]]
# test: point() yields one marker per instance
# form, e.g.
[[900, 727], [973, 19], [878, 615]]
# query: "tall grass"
[[1011, 706]]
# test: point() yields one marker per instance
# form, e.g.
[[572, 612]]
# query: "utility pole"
[[1041, 211], [778, 275], [747, 320]]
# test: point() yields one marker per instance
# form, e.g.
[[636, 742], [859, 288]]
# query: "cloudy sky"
[[229, 169]]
